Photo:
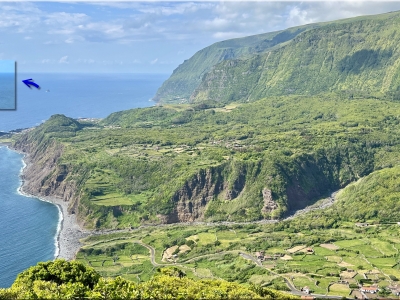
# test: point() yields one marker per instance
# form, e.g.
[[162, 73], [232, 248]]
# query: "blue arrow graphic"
[[28, 83]]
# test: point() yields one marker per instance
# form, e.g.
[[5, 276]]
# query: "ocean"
[[7, 91], [28, 226]]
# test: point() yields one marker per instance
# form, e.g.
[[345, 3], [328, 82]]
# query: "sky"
[[7, 66], [146, 37]]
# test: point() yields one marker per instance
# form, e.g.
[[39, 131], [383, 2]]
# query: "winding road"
[[321, 204]]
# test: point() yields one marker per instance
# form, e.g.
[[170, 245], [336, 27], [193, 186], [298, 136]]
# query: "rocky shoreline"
[[69, 231]]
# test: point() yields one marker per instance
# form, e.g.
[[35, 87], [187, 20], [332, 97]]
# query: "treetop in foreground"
[[60, 279]]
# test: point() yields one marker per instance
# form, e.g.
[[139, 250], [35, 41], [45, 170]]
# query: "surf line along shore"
[[68, 231]]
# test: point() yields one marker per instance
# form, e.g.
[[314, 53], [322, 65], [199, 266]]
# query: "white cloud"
[[298, 16], [155, 33], [86, 61], [65, 18], [224, 35], [64, 60], [48, 61]]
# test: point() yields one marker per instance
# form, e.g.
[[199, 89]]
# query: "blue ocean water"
[[7, 91], [78, 95], [28, 226]]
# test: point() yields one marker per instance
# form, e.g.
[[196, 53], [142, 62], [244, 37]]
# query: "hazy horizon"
[[147, 37]]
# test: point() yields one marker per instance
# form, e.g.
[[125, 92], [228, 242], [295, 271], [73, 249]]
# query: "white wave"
[[59, 227], [60, 214]]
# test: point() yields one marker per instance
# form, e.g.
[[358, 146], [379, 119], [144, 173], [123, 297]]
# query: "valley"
[[270, 161]]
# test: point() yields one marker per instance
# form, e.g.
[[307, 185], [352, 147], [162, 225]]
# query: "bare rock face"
[[237, 188], [191, 200], [269, 203], [42, 175]]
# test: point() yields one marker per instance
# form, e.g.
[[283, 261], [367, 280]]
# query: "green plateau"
[[358, 57], [187, 77], [246, 134]]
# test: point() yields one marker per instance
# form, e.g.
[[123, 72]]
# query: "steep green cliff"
[[163, 165], [354, 57], [187, 77], [243, 162]]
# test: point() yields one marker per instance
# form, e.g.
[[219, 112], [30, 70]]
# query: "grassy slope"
[[354, 57], [371, 250], [359, 250], [316, 143], [301, 148], [188, 75]]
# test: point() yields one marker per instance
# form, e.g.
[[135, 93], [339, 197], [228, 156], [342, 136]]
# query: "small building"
[[278, 255], [307, 297], [260, 255], [310, 250], [306, 290], [369, 289]]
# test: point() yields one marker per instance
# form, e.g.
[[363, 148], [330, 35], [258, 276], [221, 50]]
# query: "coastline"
[[68, 230]]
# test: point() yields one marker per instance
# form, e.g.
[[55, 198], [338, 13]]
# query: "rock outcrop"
[[43, 176], [269, 203], [191, 200]]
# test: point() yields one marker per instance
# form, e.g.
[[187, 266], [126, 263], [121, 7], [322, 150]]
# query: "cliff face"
[[358, 57], [247, 188], [42, 175], [187, 77], [234, 191]]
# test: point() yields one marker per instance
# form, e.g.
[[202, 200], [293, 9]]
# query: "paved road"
[[321, 204], [152, 254], [292, 288]]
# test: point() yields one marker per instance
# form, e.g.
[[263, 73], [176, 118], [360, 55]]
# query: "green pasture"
[[339, 290]]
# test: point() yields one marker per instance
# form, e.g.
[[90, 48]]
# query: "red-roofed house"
[[369, 289]]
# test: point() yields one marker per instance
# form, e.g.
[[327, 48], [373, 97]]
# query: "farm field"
[[229, 252]]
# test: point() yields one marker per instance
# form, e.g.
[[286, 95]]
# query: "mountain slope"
[[359, 56], [188, 75], [260, 160]]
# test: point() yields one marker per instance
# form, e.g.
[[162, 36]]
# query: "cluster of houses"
[[395, 289], [369, 289], [260, 255], [373, 289]]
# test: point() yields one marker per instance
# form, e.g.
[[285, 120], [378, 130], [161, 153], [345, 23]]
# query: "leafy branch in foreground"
[[60, 279]]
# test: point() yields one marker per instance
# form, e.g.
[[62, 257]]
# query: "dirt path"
[[320, 204]]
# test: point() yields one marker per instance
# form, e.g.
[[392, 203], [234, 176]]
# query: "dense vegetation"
[[342, 250], [187, 77], [73, 280], [240, 162], [354, 57], [299, 148], [300, 114]]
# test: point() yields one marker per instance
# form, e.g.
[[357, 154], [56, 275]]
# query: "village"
[[364, 288]]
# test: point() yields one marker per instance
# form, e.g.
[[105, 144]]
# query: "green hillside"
[[73, 280], [278, 122], [354, 57], [187, 77], [258, 160]]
